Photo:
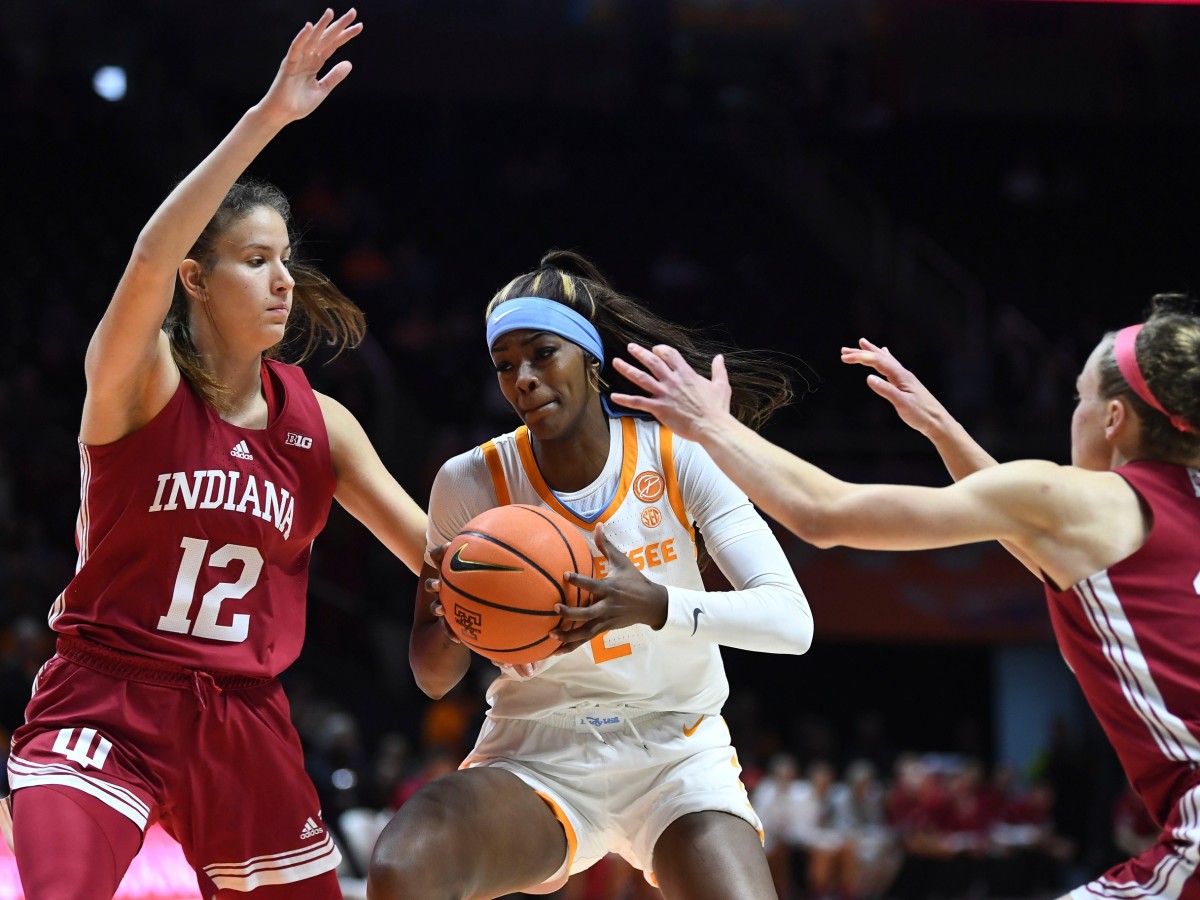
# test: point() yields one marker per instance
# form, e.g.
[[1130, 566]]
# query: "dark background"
[[984, 186]]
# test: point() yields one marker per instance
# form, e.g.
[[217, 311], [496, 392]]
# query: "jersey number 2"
[[194, 552]]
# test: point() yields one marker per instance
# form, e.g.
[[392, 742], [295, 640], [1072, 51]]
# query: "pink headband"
[[1124, 349]]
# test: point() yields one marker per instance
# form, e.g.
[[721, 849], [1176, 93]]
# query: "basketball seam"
[[515, 552], [500, 606], [538, 511], [484, 649]]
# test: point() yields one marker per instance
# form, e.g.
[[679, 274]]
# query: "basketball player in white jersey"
[[1112, 536], [616, 743]]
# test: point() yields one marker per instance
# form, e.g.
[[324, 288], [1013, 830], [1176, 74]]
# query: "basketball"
[[502, 576]]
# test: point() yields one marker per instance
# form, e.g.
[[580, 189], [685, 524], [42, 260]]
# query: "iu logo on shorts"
[[82, 752]]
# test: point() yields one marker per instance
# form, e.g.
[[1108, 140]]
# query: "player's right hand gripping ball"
[[502, 576]]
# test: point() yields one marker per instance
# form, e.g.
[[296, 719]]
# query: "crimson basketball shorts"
[[617, 777], [221, 767], [1167, 871]]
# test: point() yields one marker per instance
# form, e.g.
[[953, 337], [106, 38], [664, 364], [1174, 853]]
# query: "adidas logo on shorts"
[[241, 451], [310, 829]]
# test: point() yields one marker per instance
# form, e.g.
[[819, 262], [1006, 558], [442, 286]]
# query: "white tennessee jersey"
[[662, 486]]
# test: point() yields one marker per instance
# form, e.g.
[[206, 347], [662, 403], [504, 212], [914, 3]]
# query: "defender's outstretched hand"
[[679, 397], [296, 90], [923, 412], [913, 402]]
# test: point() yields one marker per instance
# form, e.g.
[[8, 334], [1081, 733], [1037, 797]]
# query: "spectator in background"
[[914, 790], [1029, 850], [969, 810], [918, 809], [779, 799], [860, 812], [832, 858]]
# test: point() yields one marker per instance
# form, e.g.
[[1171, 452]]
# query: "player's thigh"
[[476, 831], [712, 856], [100, 843]]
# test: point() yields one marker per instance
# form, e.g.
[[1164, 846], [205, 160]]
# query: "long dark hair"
[[761, 383], [321, 313], [1168, 353]]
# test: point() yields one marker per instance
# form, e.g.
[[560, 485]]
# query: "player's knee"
[[410, 875], [417, 855]]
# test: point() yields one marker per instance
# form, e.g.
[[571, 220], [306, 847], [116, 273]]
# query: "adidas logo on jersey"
[[310, 829], [241, 451]]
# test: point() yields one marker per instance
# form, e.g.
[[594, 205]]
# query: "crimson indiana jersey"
[[1131, 634], [194, 535]]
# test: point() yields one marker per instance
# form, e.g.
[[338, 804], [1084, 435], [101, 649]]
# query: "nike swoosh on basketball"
[[458, 564], [696, 613], [688, 732]]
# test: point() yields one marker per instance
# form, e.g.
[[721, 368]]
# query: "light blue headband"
[[540, 314]]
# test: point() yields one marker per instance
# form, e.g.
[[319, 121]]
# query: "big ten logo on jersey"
[[648, 556], [298, 440]]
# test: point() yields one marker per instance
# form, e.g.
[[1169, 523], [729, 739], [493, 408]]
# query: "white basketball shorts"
[[617, 777]]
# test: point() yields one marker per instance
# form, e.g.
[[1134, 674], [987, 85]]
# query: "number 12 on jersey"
[[195, 557]]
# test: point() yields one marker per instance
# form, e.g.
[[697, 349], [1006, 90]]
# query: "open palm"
[[297, 90]]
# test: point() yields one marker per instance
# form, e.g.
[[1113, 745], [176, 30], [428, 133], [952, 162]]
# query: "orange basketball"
[[503, 574]]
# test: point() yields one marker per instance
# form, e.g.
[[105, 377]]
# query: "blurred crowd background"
[[985, 187]]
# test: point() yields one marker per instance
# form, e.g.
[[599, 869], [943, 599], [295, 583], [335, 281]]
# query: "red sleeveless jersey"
[[194, 535], [1131, 634]]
